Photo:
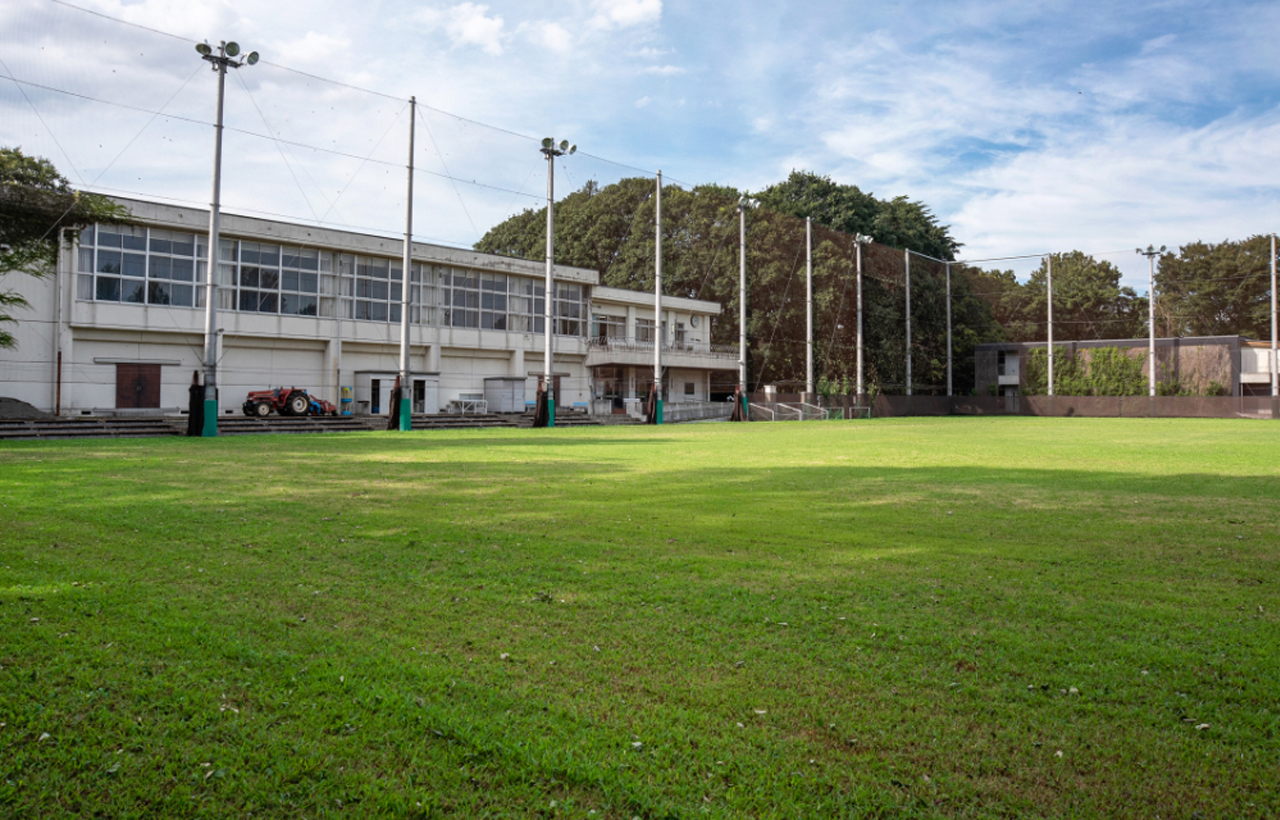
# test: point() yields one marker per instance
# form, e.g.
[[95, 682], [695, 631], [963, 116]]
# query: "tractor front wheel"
[[262, 409], [297, 404]]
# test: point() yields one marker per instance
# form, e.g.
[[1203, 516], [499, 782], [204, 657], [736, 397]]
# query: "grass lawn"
[[957, 617]]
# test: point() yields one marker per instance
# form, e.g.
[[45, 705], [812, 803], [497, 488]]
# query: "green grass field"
[[958, 617]]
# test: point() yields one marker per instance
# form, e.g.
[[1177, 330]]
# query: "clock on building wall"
[[694, 320]]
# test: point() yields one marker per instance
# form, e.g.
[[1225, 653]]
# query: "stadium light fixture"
[[1151, 253], [224, 58]]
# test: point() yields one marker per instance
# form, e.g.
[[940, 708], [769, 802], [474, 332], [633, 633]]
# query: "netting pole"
[[657, 305], [948, 329], [808, 306], [1275, 359], [742, 297], [906, 255], [858, 241], [406, 385], [1048, 261]]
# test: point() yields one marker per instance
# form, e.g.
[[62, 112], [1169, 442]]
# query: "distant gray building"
[[1241, 366]]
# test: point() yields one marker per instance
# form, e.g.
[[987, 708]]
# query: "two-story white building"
[[121, 325]]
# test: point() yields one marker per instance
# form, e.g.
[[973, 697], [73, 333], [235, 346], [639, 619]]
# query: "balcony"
[[627, 353]]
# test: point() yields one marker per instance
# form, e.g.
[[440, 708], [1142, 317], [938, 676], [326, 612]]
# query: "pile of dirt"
[[18, 409]]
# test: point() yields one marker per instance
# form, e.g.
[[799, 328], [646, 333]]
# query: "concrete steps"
[[55, 428]]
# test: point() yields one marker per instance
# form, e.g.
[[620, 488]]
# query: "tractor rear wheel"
[[297, 404], [262, 409]]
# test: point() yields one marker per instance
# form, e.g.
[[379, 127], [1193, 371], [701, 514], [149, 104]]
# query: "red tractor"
[[287, 401]]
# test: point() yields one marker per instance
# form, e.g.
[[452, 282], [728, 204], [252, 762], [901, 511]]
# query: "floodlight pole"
[[551, 150], [808, 307], [1151, 253], [948, 329], [406, 386], [1048, 262], [219, 62], [657, 304], [858, 241], [907, 256]]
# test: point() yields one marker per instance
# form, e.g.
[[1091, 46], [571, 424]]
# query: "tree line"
[[1204, 289]]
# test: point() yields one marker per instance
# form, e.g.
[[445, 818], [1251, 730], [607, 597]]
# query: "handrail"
[[634, 346]]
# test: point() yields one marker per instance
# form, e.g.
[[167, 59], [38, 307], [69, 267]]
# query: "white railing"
[[633, 346], [466, 406]]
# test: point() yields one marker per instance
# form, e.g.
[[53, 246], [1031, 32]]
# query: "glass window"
[[133, 238], [161, 267], [108, 289], [134, 291], [182, 269], [157, 293], [109, 262], [135, 264], [180, 295]]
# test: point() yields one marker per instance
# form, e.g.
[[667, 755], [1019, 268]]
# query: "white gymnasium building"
[[120, 328]]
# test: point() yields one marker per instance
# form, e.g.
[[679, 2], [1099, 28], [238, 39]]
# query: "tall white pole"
[[1275, 349], [742, 300], [406, 385], [907, 256], [808, 307], [549, 300], [210, 427], [858, 251], [1048, 262], [1151, 322], [657, 303], [948, 328]]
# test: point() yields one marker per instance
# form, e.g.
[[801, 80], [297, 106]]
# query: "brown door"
[[555, 391], [137, 385]]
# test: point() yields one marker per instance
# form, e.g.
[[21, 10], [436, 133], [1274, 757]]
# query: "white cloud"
[[552, 36], [643, 102], [663, 70], [313, 48], [625, 13], [466, 24]]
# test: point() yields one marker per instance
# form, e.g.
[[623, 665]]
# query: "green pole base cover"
[[551, 412], [658, 415], [406, 416], [746, 409], [210, 429]]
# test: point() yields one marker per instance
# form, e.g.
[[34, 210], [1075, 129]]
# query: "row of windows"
[[152, 266]]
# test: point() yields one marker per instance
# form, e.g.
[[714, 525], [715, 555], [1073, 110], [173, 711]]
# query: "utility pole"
[[1151, 253], [220, 62], [808, 307], [550, 150], [657, 305], [406, 385]]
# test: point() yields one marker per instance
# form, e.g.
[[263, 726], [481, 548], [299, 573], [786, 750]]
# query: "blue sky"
[[1027, 127]]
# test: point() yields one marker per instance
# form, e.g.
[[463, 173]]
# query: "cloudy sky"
[[1026, 126]]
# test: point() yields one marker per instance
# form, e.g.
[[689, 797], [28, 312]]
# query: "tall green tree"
[[898, 222], [1214, 290], [1088, 301], [36, 205]]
